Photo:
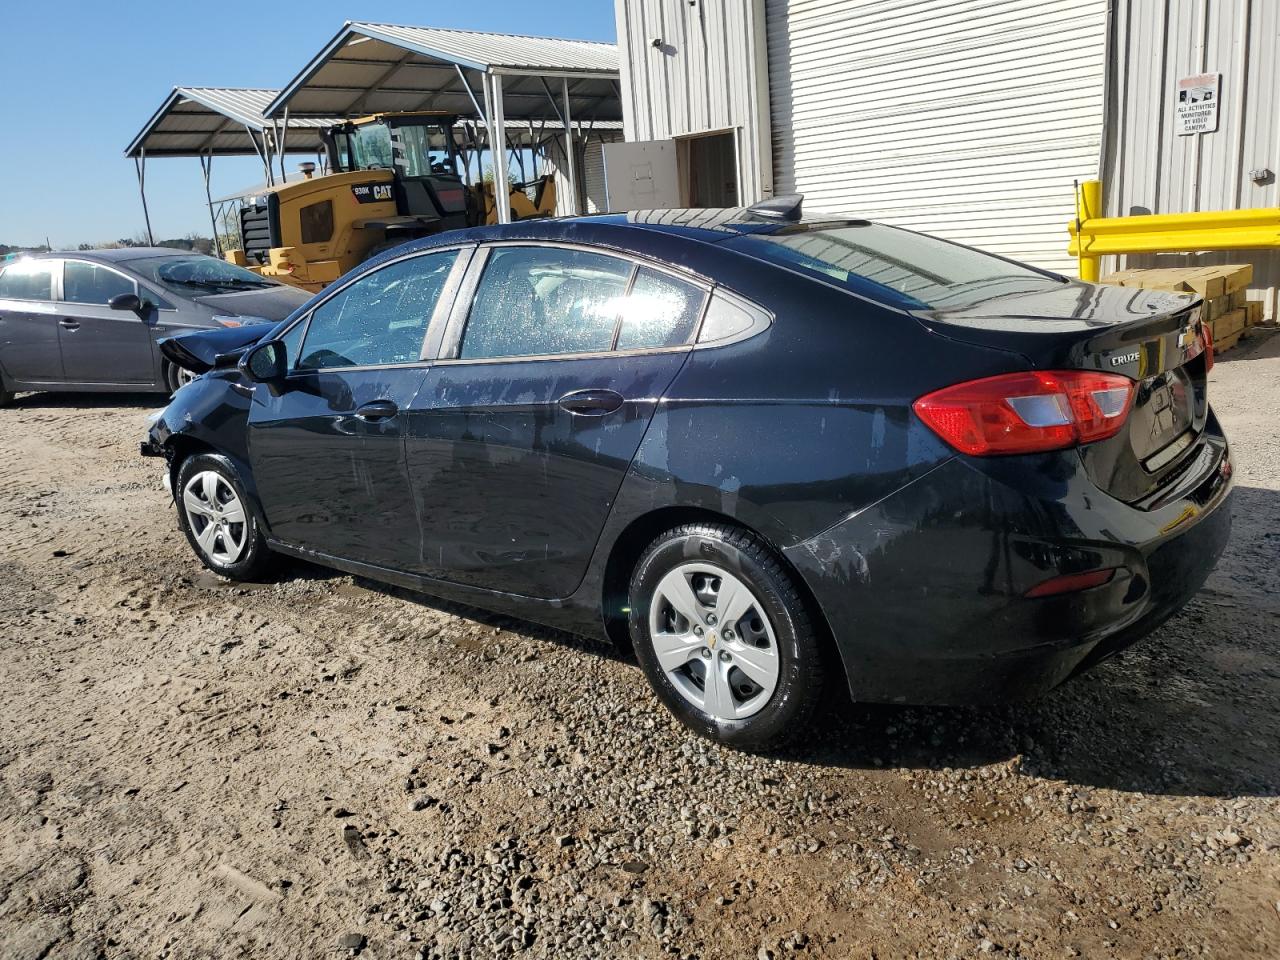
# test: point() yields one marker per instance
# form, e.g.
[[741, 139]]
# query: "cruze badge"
[[1126, 358]]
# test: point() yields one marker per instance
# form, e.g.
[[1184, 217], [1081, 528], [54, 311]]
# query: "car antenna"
[[783, 207]]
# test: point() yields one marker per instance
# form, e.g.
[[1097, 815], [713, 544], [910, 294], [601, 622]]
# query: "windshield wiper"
[[219, 284]]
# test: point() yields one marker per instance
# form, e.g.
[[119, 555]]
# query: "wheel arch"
[[628, 546], [181, 447]]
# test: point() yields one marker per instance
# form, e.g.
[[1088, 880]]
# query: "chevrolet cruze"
[[764, 450]]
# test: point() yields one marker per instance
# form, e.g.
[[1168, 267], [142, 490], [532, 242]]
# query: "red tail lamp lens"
[[1206, 334], [1028, 412], [1071, 583]]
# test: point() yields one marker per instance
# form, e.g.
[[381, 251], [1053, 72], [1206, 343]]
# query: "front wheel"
[[219, 523], [723, 636], [176, 377]]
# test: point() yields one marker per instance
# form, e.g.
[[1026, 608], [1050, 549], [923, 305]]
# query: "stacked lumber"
[[1228, 311]]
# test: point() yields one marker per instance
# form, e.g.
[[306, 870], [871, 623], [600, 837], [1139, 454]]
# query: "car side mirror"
[[266, 363], [126, 301]]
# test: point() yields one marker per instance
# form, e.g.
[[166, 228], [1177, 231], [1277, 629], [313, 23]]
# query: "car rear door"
[[29, 323], [101, 345], [327, 449], [554, 362]]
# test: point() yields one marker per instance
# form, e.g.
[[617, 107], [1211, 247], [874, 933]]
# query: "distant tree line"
[[192, 241]]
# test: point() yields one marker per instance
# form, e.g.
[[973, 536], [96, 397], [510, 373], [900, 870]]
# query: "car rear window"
[[896, 267]]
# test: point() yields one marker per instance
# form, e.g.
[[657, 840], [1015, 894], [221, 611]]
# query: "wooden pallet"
[[1228, 311]]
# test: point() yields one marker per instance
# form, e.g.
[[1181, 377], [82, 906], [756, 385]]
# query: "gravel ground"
[[323, 766]]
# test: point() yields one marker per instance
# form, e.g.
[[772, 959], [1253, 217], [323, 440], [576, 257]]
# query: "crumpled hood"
[[199, 350], [270, 303]]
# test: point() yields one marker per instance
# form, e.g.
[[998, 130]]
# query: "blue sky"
[[79, 79]]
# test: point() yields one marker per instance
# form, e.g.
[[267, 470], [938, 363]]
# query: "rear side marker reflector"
[[1071, 583], [1028, 412]]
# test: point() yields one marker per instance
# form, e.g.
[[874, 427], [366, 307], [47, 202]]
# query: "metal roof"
[[194, 121], [385, 68]]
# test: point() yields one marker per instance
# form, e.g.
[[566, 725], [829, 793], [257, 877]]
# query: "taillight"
[[1071, 583], [1206, 335], [1028, 412]]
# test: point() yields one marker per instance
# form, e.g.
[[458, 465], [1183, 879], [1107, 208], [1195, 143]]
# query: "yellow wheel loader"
[[393, 177]]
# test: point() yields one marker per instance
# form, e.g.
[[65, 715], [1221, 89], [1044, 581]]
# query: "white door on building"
[[642, 175], [968, 119]]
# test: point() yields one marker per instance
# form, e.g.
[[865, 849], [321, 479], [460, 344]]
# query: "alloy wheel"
[[216, 517], [714, 641]]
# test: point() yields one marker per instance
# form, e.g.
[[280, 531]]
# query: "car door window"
[[535, 301], [379, 319], [90, 283], [27, 280], [660, 311]]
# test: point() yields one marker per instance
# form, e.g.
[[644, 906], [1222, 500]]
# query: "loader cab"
[[419, 150]]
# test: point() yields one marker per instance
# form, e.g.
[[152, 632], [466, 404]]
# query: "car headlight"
[[242, 321]]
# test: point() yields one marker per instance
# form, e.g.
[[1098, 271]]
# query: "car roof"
[[641, 231], [710, 225], [120, 255]]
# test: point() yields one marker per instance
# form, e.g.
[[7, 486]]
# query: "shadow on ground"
[[87, 401]]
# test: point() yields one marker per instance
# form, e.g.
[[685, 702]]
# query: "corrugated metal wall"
[[589, 169], [706, 71], [964, 118], [1148, 168]]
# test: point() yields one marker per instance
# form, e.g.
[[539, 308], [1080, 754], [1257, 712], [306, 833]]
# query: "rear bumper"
[[924, 591]]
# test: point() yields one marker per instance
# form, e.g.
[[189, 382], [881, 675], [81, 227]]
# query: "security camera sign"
[[1196, 110]]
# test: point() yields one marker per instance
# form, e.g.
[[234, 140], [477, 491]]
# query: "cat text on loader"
[[393, 177]]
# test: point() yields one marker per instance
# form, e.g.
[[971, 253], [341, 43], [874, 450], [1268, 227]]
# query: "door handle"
[[376, 411], [591, 403], [68, 324]]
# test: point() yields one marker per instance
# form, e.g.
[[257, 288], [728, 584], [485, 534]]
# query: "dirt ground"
[[322, 766]]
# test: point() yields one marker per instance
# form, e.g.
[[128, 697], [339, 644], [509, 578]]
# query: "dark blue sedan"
[[761, 449]]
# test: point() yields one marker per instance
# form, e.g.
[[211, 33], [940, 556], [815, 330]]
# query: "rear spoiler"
[[203, 350]]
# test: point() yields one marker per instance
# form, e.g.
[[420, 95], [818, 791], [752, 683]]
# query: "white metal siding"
[[1149, 169], [707, 73], [968, 119]]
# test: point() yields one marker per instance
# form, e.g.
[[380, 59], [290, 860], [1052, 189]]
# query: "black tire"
[[255, 559], [174, 376], [800, 675], [6, 397]]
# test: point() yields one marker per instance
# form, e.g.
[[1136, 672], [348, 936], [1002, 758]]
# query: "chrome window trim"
[[452, 341], [464, 253]]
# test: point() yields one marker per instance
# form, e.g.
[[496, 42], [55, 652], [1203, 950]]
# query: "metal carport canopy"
[[372, 68], [220, 121], [382, 68], [208, 122]]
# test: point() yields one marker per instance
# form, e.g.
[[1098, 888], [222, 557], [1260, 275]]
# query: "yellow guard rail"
[[1093, 237]]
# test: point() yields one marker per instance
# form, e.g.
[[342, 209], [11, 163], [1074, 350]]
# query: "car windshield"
[[182, 273], [897, 267]]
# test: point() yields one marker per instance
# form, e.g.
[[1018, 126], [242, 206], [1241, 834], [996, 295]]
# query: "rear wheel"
[[215, 514], [5, 397], [724, 637]]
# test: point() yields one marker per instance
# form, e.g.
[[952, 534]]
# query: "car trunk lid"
[[1151, 337]]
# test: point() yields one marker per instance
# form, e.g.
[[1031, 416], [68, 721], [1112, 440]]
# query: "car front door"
[[101, 345], [29, 323], [523, 431], [326, 448]]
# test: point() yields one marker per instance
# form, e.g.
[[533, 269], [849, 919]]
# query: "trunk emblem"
[[1126, 358]]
